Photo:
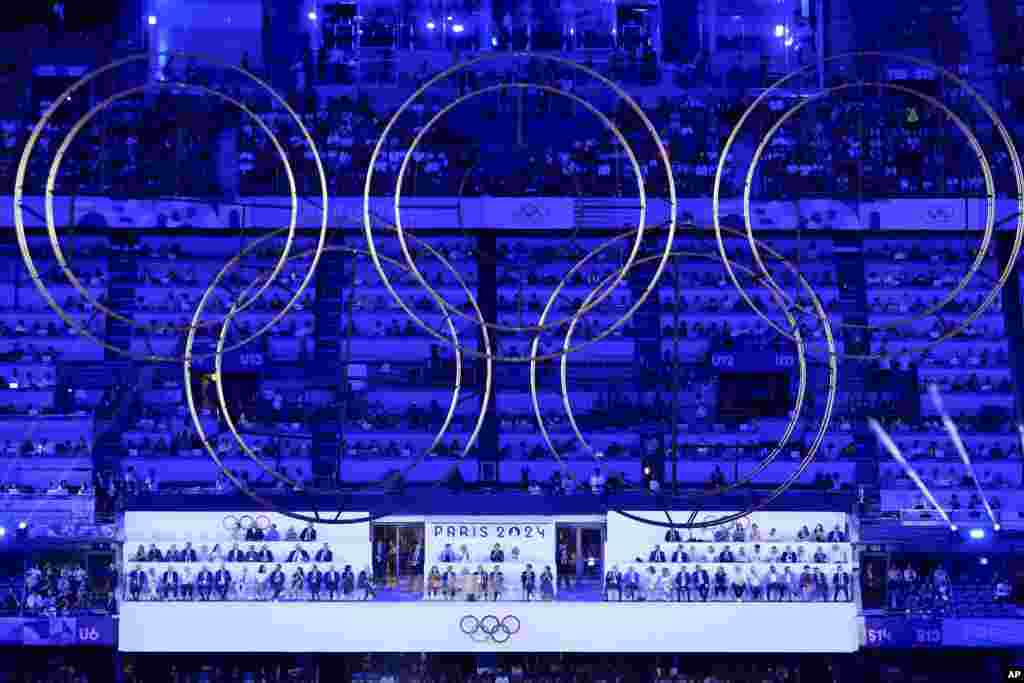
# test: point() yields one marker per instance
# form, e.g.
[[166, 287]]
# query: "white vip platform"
[[435, 627]]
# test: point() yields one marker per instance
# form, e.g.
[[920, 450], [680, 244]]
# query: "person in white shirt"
[[754, 584], [666, 585], [653, 586]]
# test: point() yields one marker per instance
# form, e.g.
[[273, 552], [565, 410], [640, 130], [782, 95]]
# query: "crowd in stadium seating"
[[51, 589], [930, 585]]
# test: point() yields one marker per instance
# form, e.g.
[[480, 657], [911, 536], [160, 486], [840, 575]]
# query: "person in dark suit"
[[276, 580], [314, 579], [726, 555], [528, 579], [447, 555], [837, 535], [332, 581], [681, 584], [613, 583], [235, 554], [252, 555], [188, 553], [154, 554], [169, 583], [820, 556], [680, 555], [721, 583], [841, 580], [308, 534], [566, 566], [657, 555], [222, 582], [265, 555], [673, 536], [631, 584], [348, 582], [172, 554], [820, 585], [324, 554], [137, 583], [298, 554], [140, 554], [702, 582], [788, 556], [365, 583], [497, 554], [204, 583]]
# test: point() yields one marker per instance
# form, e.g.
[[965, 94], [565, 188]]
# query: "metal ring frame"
[[51, 228], [256, 458], [989, 183], [622, 94]]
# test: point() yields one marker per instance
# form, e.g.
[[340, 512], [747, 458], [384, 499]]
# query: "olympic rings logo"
[[490, 628]]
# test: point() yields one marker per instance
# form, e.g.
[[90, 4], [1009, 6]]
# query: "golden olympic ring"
[[998, 124], [257, 459], [641, 189], [19, 199], [368, 227], [990, 216], [59, 157], [779, 296]]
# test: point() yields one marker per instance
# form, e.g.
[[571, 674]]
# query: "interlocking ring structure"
[[490, 627]]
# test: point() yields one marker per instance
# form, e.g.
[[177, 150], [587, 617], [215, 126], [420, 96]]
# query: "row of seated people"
[[750, 584], [59, 588], [949, 477], [263, 555], [264, 583], [787, 554]]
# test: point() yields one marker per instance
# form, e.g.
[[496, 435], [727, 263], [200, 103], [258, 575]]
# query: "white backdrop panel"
[[434, 627]]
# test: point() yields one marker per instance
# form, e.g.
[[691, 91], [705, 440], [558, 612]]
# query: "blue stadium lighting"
[[494, 41], [3, 531], [780, 30], [996, 527], [789, 42], [312, 16], [954, 527], [22, 525], [458, 28], [431, 26], [983, 561], [977, 534], [152, 20]]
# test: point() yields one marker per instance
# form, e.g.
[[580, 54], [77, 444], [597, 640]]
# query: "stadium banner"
[[57, 631], [996, 633], [468, 545], [631, 542], [207, 530], [547, 213], [903, 633], [495, 627]]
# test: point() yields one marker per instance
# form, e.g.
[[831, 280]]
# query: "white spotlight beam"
[[894, 451], [954, 434]]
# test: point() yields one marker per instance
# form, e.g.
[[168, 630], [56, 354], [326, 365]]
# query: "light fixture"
[[494, 41], [983, 561], [458, 28], [451, 18], [977, 534], [996, 527], [3, 531], [954, 527], [431, 26], [789, 42], [312, 15], [780, 30], [22, 525], [152, 20]]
